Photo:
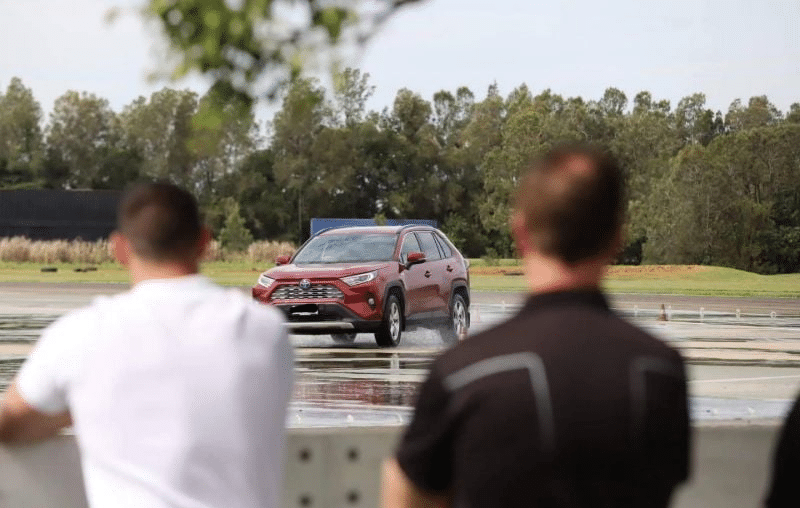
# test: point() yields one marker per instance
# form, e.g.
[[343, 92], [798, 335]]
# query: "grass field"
[[505, 276]]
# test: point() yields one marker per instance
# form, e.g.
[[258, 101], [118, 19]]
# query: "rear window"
[[428, 246], [347, 249], [446, 252]]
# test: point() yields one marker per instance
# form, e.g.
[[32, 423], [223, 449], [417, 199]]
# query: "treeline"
[[705, 187]]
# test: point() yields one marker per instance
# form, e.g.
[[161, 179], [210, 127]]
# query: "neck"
[[545, 274], [142, 270]]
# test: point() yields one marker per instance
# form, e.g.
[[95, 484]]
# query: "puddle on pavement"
[[8, 369], [23, 328], [377, 378], [359, 384]]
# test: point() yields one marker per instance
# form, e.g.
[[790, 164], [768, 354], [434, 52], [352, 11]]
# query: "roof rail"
[[325, 229], [404, 226]]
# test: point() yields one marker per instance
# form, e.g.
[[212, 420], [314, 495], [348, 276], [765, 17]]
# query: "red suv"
[[381, 280]]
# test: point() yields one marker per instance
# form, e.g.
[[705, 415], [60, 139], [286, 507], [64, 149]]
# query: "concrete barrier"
[[340, 467]]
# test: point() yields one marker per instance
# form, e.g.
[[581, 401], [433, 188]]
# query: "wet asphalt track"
[[743, 353]]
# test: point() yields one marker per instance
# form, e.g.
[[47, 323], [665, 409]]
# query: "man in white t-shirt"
[[177, 389]]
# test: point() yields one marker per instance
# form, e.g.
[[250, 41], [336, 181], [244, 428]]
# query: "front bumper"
[[349, 314], [323, 318]]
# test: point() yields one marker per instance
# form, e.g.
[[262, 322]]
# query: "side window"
[[429, 246], [446, 252], [410, 244]]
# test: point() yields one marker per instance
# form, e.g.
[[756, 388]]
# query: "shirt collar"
[[590, 297], [187, 282]]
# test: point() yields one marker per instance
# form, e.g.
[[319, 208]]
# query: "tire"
[[391, 329], [458, 325], [344, 338]]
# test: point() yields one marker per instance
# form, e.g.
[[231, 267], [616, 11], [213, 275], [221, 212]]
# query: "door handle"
[[427, 273], [449, 268]]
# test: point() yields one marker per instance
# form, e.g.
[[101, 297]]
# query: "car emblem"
[[305, 284]]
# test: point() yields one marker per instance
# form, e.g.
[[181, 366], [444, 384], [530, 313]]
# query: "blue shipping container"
[[318, 225]]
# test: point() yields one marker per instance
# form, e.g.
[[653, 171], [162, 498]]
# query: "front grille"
[[315, 292]]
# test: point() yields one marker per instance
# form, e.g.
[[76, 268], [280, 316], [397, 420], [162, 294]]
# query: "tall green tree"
[[21, 139], [351, 91], [224, 132], [83, 132], [303, 115], [159, 129], [759, 112]]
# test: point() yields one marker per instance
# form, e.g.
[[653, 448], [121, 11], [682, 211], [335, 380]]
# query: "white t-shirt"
[[178, 391]]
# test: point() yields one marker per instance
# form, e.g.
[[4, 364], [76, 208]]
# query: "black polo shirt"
[[784, 491], [564, 405]]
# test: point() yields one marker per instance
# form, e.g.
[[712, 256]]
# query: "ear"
[[203, 241], [520, 233], [120, 248]]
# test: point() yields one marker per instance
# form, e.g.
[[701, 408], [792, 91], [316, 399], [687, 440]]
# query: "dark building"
[[58, 214]]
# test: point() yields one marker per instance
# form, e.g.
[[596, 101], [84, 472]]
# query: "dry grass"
[[22, 250], [258, 252]]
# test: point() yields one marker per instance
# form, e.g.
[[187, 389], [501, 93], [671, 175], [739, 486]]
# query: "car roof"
[[374, 229]]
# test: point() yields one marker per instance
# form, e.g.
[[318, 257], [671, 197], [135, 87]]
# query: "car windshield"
[[347, 249]]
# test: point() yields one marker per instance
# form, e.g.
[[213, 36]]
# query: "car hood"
[[323, 270]]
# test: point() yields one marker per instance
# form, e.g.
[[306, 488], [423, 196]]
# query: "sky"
[[726, 49]]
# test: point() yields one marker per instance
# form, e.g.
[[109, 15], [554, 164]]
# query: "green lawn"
[[226, 273], [710, 281]]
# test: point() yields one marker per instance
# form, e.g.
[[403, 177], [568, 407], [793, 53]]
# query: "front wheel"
[[388, 335], [456, 328]]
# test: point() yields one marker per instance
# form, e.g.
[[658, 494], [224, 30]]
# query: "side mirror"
[[415, 258], [282, 260]]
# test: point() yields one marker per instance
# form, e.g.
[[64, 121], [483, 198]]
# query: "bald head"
[[572, 202]]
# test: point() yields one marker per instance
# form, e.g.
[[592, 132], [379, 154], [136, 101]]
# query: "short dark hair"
[[572, 201], [161, 220]]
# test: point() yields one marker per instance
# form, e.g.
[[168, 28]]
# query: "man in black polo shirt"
[[784, 491], [565, 404]]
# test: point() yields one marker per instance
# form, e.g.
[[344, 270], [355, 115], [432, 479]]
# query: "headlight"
[[355, 280], [265, 281]]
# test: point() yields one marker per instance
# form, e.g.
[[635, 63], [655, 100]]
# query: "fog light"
[[371, 302]]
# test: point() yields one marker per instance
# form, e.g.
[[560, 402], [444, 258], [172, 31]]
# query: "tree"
[[234, 235], [645, 142], [613, 103], [118, 168], [21, 143], [303, 115], [758, 113], [224, 132], [243, 45], [781, 239], [159, 129], [351, 92], [689, 116], [793, 116], [83, 131], [264, 204], [410, 113], [483, 132], [722, 204], [451, 113]]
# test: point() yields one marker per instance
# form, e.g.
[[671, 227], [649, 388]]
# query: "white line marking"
[[735, 379]]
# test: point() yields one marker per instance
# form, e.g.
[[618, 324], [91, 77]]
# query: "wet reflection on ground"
[[332, 378], [743, 366], [23, 328]]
